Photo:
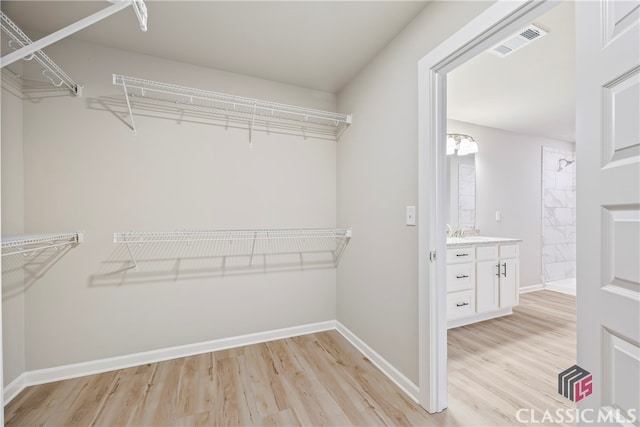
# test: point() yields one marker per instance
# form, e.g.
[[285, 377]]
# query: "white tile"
[[558, 216], [549, 178], [564, 181], [565, 252], [555, 198], [570, 269], [548, 254], [554, 271], [553, 234]]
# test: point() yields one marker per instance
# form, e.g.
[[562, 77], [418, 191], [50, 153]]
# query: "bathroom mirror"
[[462, 191]]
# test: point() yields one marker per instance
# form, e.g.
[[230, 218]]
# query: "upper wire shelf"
[[26, 243], [18, 39], [251, 111], [250, 243]]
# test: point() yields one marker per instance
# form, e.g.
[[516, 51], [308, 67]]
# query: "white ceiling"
[[531, 91], [315, 44]]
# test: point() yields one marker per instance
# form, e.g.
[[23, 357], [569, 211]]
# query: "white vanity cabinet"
[[461, 283], [482, 280]]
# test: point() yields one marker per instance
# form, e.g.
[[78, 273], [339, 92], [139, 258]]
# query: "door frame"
[[499, 21]]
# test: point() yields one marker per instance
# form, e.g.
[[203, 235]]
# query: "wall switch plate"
[[411, 215], [498, 216]]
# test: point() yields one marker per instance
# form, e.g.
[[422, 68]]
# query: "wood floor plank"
[[126, 396], [495, 368]]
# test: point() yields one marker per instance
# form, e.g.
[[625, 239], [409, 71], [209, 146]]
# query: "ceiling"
[[320, 45], [531, 91]]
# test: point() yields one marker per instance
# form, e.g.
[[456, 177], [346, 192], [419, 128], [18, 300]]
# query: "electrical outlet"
[[411, 215], [498, 216]]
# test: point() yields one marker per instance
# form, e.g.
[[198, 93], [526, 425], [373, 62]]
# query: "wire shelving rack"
[[248, 243], [254, 113]]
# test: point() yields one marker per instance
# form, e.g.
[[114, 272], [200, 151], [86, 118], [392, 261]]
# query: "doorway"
[[489, 28]]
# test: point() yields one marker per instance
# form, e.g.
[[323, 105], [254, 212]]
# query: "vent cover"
[[518, 41]]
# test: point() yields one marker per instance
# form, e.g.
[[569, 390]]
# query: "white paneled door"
[[608, 209]]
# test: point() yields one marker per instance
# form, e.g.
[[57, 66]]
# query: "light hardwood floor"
[[495, 368]]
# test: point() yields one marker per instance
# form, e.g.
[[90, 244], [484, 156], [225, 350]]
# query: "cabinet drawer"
[[460, 277], [460, 255], [508, 251], [485, 253], [460, 304]]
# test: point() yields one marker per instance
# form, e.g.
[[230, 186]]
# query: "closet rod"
[[32, 47]]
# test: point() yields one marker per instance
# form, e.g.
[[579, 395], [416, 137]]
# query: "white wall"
[[509, 180], [85, 170], [13, 299], [377, 290]]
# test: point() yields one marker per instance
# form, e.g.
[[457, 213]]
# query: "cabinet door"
[[508, 282], [487, 286]]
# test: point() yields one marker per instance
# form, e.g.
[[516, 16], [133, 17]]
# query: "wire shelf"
[[18, 39], [251, 111], [26, 243], [249, 243]]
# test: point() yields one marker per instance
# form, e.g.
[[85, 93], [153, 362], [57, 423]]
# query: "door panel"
[[608, 203]]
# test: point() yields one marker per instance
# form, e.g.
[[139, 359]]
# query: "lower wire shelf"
[[249, 243]]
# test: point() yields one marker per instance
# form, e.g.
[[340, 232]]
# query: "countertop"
[[453, 242]]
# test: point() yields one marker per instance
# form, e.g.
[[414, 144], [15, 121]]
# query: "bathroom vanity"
[[482, 278]]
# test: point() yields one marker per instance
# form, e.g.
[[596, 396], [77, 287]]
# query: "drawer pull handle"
[[461, 304], [462, 254], [464, 276], [498, 273], [505, 269]]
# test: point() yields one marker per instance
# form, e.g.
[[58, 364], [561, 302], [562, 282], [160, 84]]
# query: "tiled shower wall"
[[559, 215]]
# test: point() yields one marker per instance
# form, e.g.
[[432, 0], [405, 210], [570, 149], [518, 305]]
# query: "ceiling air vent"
[[518, 41]]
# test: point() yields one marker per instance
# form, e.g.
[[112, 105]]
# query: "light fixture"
[[460, 144]]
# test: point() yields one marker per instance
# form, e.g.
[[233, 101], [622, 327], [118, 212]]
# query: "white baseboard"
[[531, 288], [479, 318], [567, 286], [405, 384], [41, 376], [14, 387]]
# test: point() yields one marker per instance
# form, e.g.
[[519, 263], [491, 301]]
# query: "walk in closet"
[[205, 204]]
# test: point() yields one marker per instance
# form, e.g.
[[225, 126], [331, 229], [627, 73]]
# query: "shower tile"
[[555, 198], [558, 216], [550, 159], [554, 271], [565, 251], [549, 254], [570, 269], [549, 178], [553, 234], [564, 181]]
